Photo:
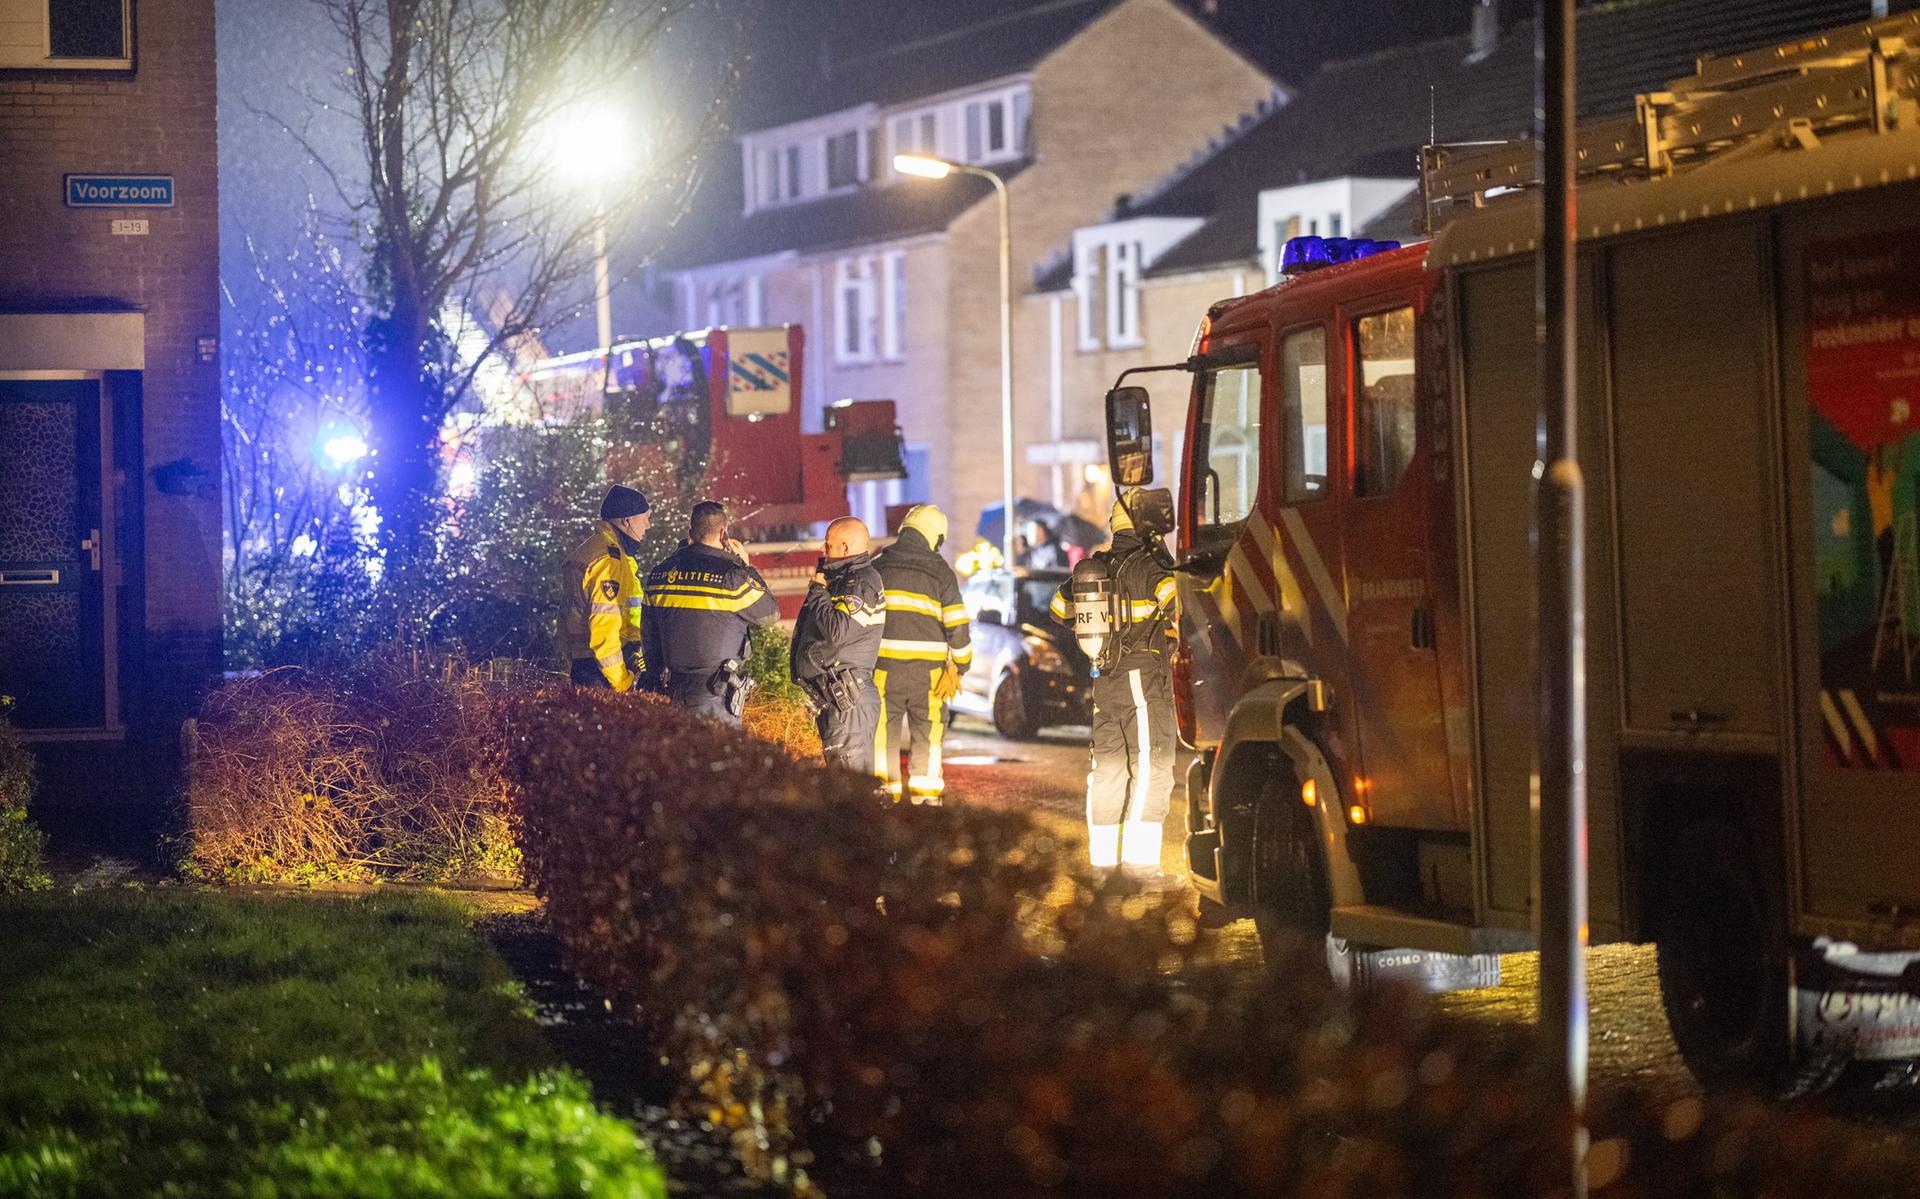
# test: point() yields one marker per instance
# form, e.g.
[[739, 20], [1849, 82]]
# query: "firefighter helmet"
[[928, 521]]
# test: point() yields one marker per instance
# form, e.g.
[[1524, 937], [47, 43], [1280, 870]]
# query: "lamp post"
[[927, 167], [589, 144]]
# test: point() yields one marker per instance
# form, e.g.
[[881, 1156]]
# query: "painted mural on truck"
[[1863, 388]]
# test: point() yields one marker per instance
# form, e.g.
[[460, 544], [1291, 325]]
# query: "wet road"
[[1630, 1043]]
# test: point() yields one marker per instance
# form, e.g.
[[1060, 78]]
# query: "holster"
[[732, 685]]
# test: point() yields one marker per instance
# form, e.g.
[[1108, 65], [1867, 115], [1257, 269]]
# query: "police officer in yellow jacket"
[[600, 608], [926, 648], [703, 601]]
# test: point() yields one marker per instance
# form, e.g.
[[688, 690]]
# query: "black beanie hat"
[[622, 501]]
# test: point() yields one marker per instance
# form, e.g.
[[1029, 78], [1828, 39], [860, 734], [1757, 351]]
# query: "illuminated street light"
[[921, 165], [589, 143], [926, 167], [340, 446]]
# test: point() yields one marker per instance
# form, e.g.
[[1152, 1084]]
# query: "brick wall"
[[1113, 110], [159, 119]]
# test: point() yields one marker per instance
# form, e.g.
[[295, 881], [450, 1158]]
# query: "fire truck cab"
[[1356, 511]]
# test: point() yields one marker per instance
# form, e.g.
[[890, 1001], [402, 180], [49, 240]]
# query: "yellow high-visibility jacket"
[[601, 605]]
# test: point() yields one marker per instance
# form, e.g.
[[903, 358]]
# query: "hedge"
[[883, 1000]]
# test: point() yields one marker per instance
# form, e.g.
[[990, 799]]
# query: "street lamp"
[[589, 142], [926, 167]]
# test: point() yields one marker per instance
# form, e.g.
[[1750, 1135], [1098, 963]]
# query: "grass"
[[187, 1044]]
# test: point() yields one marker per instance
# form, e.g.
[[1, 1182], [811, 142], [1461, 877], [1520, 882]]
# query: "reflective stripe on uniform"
[[916, 651], [1163, 591], [706, 600], [598, 608], [611, 661], [1058, 607], [867, 620], [913, 601], [953, 615]]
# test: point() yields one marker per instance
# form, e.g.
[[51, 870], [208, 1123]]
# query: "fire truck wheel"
[[1290, 904], [1012, 715], [1724, 963]]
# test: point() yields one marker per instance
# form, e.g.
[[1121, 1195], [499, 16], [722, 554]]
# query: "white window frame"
[[1008, 102], [21, 57], [1124, 264], [853, 281], [859, 161], [893, 305]]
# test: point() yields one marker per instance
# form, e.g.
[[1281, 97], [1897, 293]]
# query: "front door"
[[1390, 623], [53, 628]]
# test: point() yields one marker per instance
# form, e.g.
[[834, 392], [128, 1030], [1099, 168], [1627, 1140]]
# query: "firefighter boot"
[[1140, 845]]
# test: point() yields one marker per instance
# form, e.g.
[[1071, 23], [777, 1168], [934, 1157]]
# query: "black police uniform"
[[701, 603], [835, 644], [926, 629], [1130, 782]]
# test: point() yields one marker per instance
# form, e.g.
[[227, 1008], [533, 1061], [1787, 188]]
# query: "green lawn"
[[187, 1044]]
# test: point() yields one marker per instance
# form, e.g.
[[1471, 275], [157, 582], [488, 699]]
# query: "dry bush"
[[21, 841], [377, 772], [881, 1000]]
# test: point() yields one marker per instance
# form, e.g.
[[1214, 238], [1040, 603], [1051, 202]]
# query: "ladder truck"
[[728, 403], [1355, 663]]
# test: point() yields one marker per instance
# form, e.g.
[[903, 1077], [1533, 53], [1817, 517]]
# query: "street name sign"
[[119, 191]]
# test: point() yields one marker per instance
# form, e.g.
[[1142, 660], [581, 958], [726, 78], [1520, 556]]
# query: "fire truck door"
[[1405, 779]]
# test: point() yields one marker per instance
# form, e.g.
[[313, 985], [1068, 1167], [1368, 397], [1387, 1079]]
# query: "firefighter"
[[836, 642], [927, 647], [600, 595], [703, 602], [1131, 777]]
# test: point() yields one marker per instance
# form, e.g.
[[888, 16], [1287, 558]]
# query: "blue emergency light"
[[1303, 254]]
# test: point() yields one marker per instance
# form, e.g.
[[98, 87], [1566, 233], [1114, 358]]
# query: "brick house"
[[109, 366], [895, 279], [1339, 159]]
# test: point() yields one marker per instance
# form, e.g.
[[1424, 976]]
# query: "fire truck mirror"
[[1130, 436]]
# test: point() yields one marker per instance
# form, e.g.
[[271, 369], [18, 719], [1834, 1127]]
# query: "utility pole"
[[1562, 739]]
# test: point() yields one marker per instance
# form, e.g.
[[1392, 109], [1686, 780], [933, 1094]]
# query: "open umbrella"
[[991, 522], [1077, 530]]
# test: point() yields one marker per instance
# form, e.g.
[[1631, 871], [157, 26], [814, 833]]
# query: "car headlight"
[[1046, 659]]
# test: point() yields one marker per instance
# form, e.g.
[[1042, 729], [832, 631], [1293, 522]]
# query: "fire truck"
[[1355, 664], [727, 403]]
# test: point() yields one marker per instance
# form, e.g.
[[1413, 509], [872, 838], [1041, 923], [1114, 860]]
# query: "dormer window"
[[843, 160]]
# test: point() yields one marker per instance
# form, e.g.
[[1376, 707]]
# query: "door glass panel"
[[1303, 365], [1227, 468], [1384, 418], [51, 655]]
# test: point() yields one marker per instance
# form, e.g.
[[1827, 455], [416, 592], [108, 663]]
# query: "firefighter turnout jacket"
[[600, 611], [1144, 591], [701, 604], [926, 632], [926, 623]]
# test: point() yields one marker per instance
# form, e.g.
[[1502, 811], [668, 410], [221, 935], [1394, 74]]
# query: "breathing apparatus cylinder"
[[1091, 605]]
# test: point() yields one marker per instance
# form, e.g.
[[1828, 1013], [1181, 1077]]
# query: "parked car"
[[1027, 672]]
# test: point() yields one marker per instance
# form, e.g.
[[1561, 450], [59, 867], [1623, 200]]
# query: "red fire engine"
[[1355, 664], [732, 400]]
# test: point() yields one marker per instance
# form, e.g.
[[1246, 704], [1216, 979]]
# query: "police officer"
[[836, 642], [703, 601], [600, 595], [1131, 778], [927, 647]]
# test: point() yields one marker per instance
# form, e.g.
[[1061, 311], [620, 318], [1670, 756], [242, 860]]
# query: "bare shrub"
[[379, 772]]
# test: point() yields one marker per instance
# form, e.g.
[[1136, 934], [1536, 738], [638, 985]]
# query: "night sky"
[[274, 54]]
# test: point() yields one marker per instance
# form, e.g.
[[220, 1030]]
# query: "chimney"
[[1485, 29]]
